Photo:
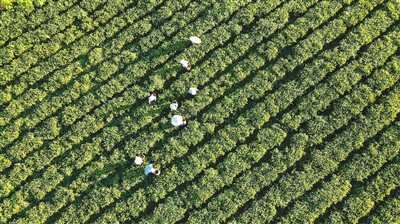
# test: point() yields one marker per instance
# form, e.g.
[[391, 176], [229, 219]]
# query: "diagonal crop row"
[[75, 83], [112, 105], [79, 43], [124, 98], [167, 154], [58, 55], [79, 88], [388, 212], [225, 213], [200, 79], [362, 165], [342, 81], [17, 23], [56, 103], [346, 111], [116, 192], [359, 204], [284, 191], [378, 75], [332, 191], [107, 69], [176, 206], [147, 41], [191, 139], [134, 129], [44, 33], [326, 160], [389, 47]]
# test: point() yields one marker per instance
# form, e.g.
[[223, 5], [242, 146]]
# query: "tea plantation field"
[[297, 119]]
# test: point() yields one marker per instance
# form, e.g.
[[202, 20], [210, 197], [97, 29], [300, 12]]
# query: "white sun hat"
[[195, 40], [177, 120]]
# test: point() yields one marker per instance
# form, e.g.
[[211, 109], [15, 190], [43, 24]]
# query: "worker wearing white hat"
[[193, 91], [152, 97], [174, 105], [186, 65], [178, 121], [139, 160]]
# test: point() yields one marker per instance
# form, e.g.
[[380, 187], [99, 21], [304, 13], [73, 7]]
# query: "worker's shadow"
[[164, 71], [166, 111], [164, 50]]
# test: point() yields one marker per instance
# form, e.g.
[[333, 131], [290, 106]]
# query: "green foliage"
[[296, 118], [8, 4], [360, 203], [389, 212]]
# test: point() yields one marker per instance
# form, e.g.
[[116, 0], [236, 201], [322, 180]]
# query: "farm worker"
[[178, 120], [152, 97], [186, 65], [193, 91], [139, 160], [195, 40], [150, 169], [174, 105]]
